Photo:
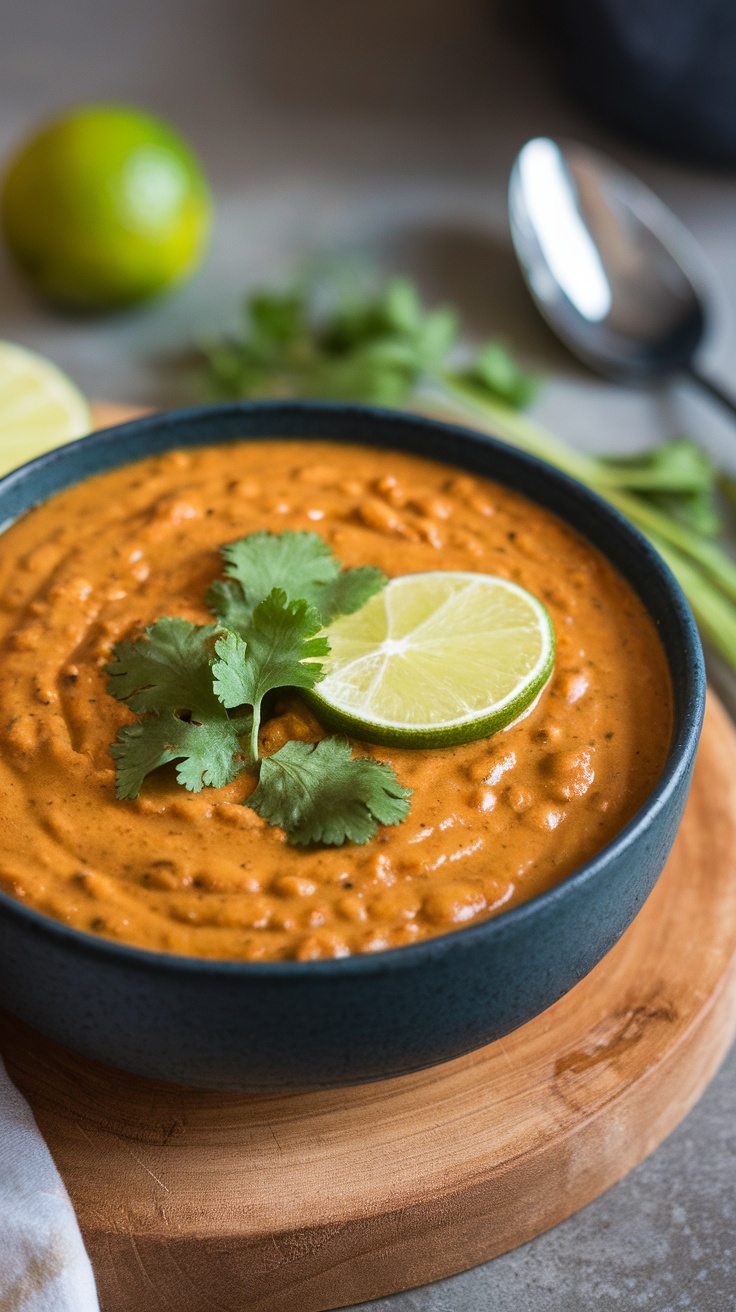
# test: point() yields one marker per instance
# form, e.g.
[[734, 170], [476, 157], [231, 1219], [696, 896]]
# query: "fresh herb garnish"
[[168, 669], [319, 794], [198, 693], [496, 371], [166, 675], [381, 347], [299, 563], [279, 651], [206, 751], [373, 348]]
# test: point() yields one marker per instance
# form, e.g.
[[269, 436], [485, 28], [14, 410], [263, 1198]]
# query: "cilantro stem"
[[255, 729], [715, 615], [661, 527], [514, 427]]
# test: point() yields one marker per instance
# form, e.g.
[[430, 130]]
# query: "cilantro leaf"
[[281, 638], [293, 561], [348, 592], [167, 669], [231, 675], [278, 652], [206, 752], [677, 465], [301, 564], [317, 793], [227, 601], [495, 370]]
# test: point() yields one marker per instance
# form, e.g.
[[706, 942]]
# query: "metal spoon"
[[611, 269]]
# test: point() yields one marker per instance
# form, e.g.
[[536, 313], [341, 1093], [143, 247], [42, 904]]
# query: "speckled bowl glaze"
[[232, 1025]]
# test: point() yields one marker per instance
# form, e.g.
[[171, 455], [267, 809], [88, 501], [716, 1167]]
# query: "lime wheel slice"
[[436, 659]]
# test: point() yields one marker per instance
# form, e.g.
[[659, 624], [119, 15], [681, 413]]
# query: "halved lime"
[[40, 407], [436, 659]]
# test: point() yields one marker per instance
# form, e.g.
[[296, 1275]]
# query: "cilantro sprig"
[[318, 793], [198, 692], [279, 651]]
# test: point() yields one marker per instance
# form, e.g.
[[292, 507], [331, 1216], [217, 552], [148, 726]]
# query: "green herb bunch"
[[198, 692], [383, 348]]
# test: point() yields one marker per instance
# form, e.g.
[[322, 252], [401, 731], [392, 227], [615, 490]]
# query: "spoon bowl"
[[615, 274]]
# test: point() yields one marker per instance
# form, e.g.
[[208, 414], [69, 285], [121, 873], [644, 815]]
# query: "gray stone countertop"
[[387, 131]]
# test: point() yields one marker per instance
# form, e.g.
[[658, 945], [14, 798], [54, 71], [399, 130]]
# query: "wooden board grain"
[[192, 1201]]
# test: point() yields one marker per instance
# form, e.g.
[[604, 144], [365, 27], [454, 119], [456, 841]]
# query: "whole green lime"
[[105, 206]]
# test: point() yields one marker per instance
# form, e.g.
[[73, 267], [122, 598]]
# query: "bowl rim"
[[497, 927]]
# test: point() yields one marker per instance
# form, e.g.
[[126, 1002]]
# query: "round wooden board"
[[190, 1201]]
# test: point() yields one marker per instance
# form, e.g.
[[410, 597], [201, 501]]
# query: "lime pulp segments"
[[436, 659], [40, 407]]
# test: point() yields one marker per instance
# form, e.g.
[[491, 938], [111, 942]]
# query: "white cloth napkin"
[[43, 1263]]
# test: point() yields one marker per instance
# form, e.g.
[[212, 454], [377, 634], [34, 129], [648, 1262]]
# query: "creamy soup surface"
[[492, 823]]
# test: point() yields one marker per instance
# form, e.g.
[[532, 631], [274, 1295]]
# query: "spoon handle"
[[714, 389]]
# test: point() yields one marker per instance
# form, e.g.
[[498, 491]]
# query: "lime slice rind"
[[40, 408], [479, 654]]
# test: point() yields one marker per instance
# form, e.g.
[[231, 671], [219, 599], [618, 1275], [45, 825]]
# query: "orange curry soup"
[[492, 822]]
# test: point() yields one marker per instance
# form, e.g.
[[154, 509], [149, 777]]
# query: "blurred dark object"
[[662, 71]]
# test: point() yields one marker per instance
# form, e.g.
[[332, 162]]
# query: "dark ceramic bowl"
[[233, 1025]]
